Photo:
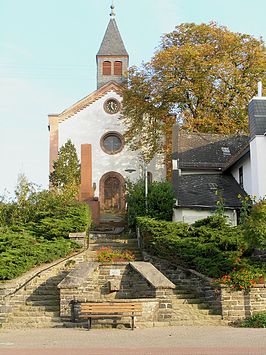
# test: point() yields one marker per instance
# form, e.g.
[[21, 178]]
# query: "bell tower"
[[112, 57]]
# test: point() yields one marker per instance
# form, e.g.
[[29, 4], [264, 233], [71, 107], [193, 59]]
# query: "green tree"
[[66, 173], [204, 74], [254, 228]]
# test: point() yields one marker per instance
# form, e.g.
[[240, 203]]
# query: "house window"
[[240, 174], [106, 68], [112, 143], [118, 68], [149, 177]]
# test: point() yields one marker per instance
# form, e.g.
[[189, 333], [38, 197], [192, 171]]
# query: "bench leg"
[[133, 323], [89, 323]]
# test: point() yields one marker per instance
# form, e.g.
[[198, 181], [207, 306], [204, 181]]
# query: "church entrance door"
[[112, 194]]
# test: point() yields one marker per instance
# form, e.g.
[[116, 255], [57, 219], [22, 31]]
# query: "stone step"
[[114, 241], [193, 310], [34, 313], [38, 308], [189, 322], [50, 292], [43, 302], [32, 325], [109, 236], [193, 314], [43, 282], [184, 295], [42, 296], [178, 301], [94, 247]]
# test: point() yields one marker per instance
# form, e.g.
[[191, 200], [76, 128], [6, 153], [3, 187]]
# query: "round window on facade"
[[112, 143]]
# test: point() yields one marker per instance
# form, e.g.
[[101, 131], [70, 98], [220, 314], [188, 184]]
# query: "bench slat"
[[110, 309], [107, 315]]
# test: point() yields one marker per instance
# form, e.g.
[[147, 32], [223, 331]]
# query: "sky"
[[47, 60]]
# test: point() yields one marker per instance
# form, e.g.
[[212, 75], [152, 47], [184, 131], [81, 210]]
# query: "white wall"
[[88, 126], [192, 215], [258, 166], [247, 181]]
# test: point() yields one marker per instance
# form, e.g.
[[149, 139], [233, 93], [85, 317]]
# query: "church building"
[[94, 126]]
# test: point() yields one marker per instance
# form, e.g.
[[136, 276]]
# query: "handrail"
[[41, 271]]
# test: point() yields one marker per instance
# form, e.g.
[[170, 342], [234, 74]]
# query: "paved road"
[[151, 341]]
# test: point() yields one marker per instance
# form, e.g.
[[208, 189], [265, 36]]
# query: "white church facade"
[[94, 126]]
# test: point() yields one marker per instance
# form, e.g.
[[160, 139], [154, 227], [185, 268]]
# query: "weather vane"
[[112, 14]]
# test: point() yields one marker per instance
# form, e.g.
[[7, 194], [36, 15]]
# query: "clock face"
[[111, 106]]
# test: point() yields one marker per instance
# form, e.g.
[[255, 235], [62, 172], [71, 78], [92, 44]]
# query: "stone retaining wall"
[[94, 282], [12, 291], [232, 305], [200, 284], [241, 304]]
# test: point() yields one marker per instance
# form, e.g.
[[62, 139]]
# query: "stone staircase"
[[190, 310], [36, 305], [115, 241]]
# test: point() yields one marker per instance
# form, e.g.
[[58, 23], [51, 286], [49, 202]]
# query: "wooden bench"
[[110, 310]]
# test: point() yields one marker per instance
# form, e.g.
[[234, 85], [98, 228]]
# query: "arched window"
[[106, 67], [118, 68]]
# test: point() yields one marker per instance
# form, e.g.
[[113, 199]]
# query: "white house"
[[209, 167]]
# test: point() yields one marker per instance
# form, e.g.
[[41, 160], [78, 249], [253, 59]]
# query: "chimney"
[[257, 127], [259, 89]]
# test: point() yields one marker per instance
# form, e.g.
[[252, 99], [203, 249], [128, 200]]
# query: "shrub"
[[21, 252], [56, 215], [210, 246], [254, 228], [46, 214], [34, 225], [160, 201], [258, 320], [238, 279], [107, 254]]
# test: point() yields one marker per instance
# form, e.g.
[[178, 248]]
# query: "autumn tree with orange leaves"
[[202, 75]]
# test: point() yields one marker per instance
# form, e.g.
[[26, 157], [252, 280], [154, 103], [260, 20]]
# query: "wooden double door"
[[113, 194]]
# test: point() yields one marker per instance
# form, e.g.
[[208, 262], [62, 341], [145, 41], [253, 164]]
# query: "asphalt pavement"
[[196, 340]]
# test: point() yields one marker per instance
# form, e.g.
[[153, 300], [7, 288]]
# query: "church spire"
[[112, 57], [112, 43], [112, 14]]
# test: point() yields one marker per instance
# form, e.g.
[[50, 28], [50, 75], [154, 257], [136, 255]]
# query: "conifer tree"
[[66, 173]]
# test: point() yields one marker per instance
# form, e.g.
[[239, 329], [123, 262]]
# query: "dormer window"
[[213, 186], [118, 68], [226, 151], [106, 67]]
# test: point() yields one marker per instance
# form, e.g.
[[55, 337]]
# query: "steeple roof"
[[112, 43]]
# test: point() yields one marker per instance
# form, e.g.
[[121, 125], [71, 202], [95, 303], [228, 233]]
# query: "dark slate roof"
[[257, 116], [199, 190], [206, 150], [112, 43]]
